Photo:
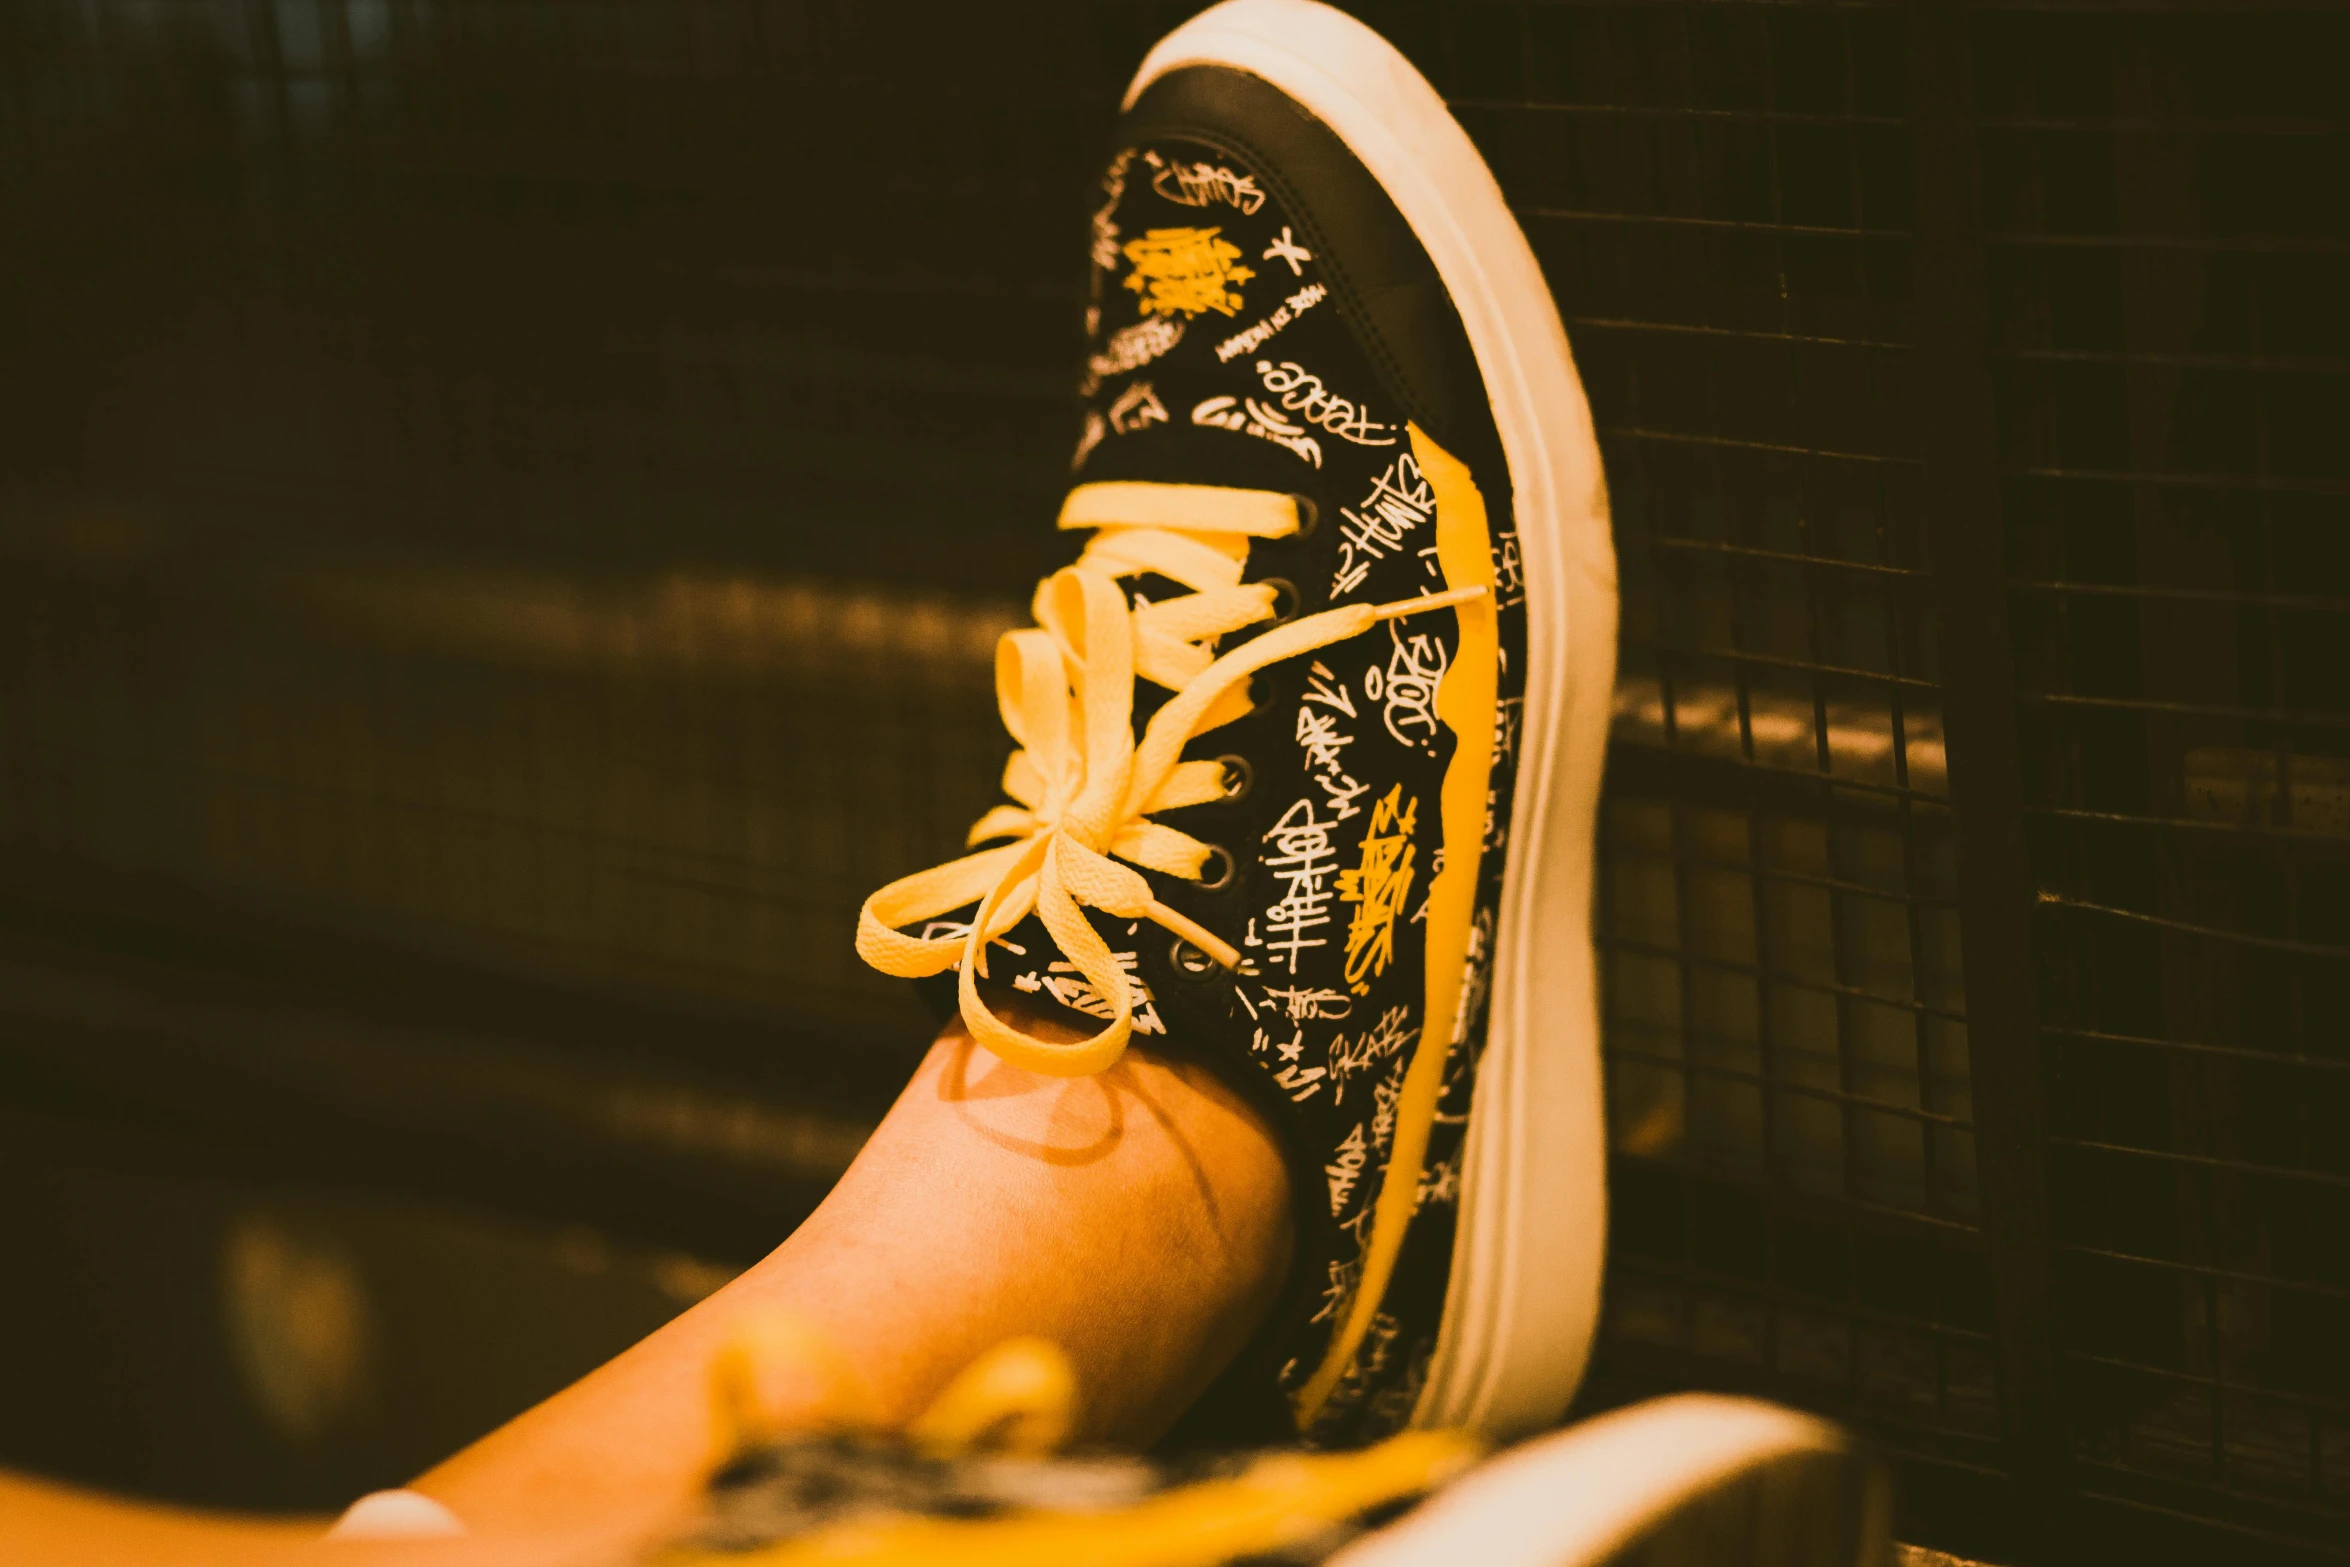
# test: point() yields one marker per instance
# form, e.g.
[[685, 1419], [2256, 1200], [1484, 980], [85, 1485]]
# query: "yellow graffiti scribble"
[[1190, 270], [1378, 888]]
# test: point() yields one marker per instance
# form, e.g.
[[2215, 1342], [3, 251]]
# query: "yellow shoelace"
[[1085, 788]]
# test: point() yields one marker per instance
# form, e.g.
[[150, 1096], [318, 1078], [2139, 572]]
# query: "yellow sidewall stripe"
[[1465, 702], [1278, 1502]]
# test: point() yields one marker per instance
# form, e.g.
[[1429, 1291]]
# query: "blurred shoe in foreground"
[[1691, 1481]]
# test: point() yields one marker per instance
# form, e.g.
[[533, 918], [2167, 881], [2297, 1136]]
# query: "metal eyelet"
[[1286, 602], [1309, 515], [1239, 777], [1219, 871], [1189, 960]]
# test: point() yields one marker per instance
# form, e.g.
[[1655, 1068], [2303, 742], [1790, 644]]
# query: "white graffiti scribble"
[[1105, 229], [1250, 339], [1340, 1288], [1378, 1344], [1071, 989], [956, 930], [1369, 1363], [1287, 249], [1477, 975], [1460, 1086], [1384, 1095], [1401, 500], [1300, 1082], [1254, 418], [1305, 862], [1204, 184], [1302, 393], [1135, 408], [1406, 688], [1441, 1184], [1095, 428], [1390, 1409], [1509, 572], [1318, 734], [1345, 1168], [1302, 1005], [1130, 348], [1322, 686], [1384, 1040], [1508, 716]]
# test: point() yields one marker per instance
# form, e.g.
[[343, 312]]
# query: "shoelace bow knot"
[[1085, 788]]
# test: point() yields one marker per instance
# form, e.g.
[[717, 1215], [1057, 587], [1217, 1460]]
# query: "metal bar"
[[2242, 482], [1731, 333], [1733, 783], [1801, 879], [1727, 225], [1961, 498], [2312, 719], [1818, 987], [1676, 111], [2137, 591], [2302, 837], [1804, 666], [2310, 949], [2175, 1265], [1626, 432], [2254, 244], [2200, 1047], [2297, 1398], [1795, 1300], [2277, 1172], [1790, 557], [1779, 1084]]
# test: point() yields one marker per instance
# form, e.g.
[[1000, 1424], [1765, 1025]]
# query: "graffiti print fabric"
[[1349, 764], [1225, 350]]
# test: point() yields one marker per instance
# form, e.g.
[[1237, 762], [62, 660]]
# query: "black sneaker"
[[1311, 732], [1693, 1481]]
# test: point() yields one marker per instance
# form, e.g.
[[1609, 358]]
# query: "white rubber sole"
[[1524, 1294], [1579, 1497]]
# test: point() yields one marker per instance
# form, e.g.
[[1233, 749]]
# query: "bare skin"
[[1139, 1219], [48, 1525]]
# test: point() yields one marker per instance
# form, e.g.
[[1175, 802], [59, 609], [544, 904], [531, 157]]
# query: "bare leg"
[[1140, 1219], [43, 1524]]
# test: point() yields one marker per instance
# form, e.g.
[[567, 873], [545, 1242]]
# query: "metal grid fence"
[[1721, 197], [2169, 255], [1974, 895]]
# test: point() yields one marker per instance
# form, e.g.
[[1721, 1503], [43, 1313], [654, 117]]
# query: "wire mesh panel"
[[1726, 200], [539, 481], [1721, 197], [677, 785], [2170, 251]]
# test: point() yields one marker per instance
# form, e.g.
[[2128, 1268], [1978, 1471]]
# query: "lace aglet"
[[1444, 600], [1227, 956]]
